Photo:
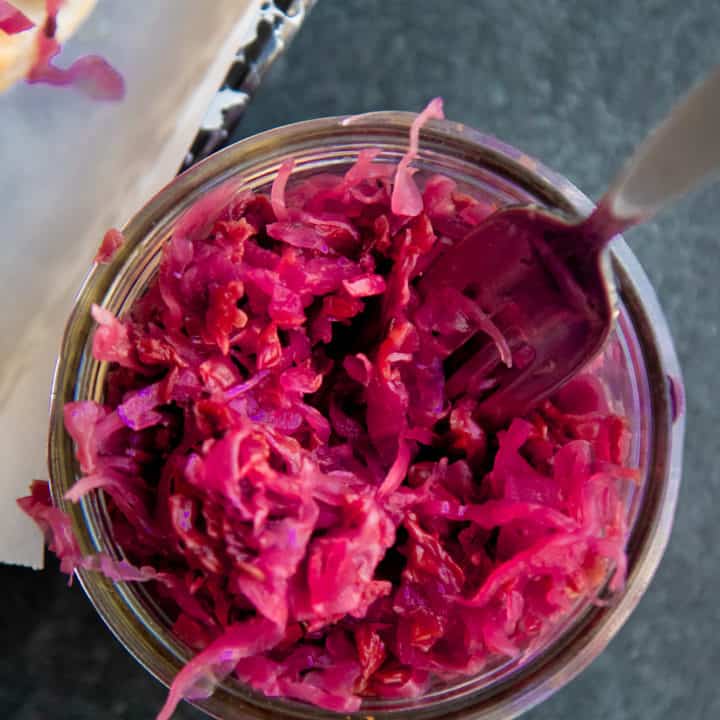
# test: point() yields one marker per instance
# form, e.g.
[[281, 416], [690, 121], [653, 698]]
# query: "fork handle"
[[676, 157]]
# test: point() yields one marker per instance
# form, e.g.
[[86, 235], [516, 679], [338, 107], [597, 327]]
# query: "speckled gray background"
[[575, 83]]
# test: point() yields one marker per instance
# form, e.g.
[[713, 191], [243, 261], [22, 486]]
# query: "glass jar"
[[639, 367]]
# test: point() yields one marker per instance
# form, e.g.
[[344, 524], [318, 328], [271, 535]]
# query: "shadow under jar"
[[639, 368]]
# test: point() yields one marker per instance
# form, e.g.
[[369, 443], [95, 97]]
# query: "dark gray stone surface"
[[575, 83]]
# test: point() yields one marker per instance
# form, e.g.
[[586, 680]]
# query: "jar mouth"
[[331, 142]]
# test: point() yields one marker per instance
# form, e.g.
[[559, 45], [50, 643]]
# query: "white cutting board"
[[70, 168]]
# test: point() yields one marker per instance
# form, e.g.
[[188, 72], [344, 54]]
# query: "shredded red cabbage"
[[90, 74], [112, 241], [406, 198], [12, 20], [60, 538], [277, 440]]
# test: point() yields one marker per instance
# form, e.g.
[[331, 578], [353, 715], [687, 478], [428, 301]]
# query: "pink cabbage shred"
[[12, 20], [112, 241], [281, 461], [90, 74]]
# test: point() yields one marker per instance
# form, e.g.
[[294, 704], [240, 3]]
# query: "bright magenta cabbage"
[[12, 20], [90, 74], [112, 241], [326, 521]]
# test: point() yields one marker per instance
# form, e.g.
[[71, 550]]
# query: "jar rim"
[[118, 604]]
